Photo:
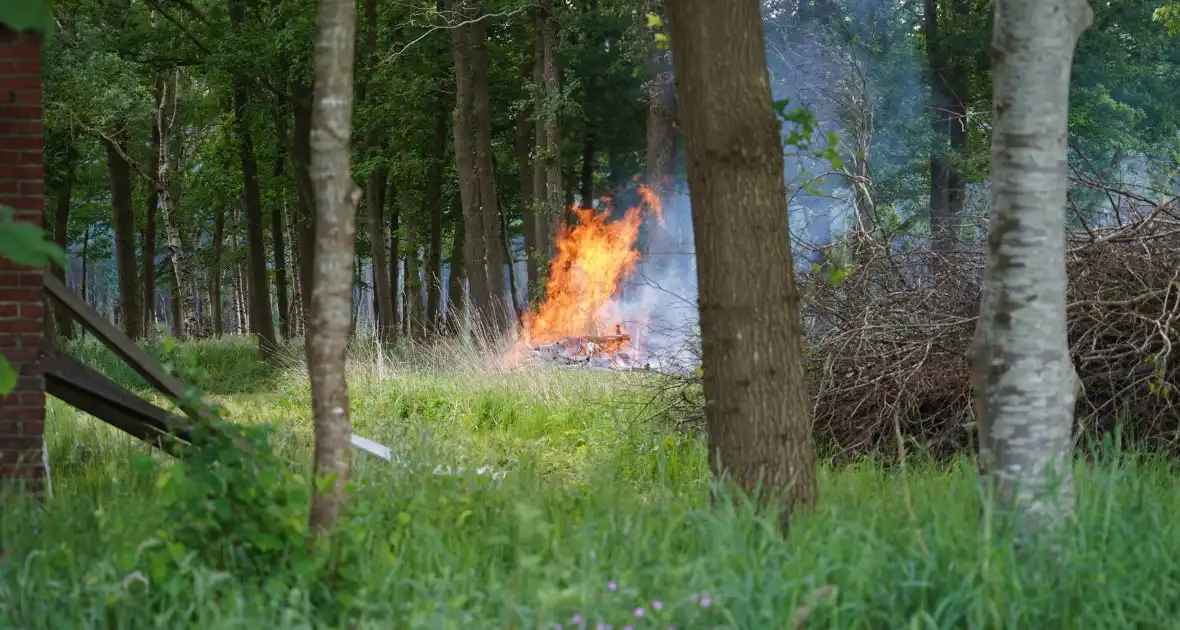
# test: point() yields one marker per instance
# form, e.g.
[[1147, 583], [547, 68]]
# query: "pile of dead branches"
[[888, 346]]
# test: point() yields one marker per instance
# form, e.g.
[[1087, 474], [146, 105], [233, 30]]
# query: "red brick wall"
[[22, 310]]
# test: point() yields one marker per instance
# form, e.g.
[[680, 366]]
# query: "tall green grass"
[[597, 516]]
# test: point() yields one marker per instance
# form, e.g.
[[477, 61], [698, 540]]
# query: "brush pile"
[[888, 348]]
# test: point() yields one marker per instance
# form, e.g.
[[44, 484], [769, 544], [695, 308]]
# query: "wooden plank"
[[97, 395], [119, 343]]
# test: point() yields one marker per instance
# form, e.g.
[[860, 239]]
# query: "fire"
[[593, 256]]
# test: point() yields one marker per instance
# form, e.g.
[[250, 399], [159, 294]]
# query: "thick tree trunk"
[[305, 224], [434, 206], [474, 248], [261, 316], [335, 239], [661, 118], [500, 310], [757, 410], [130, 309], [374, 187], [550, 75], [1025, 385]]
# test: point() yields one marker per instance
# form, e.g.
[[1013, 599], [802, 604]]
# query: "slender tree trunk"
[[148, 247], [1025, 385], [757, 411], [61, 236], [661, 118], [335, 239], [374, 187], [413, 285], [457, 284], [434, 205], [186, 316], [395, 210], [277, 228], [216, 274], [474, 247], [130, 310], [500, 309]]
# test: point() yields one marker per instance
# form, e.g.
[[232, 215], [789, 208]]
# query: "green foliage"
[[599, 514], [231, 498], [27, 15]]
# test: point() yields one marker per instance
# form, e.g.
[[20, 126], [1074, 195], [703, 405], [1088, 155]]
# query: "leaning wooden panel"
[[97, 395]]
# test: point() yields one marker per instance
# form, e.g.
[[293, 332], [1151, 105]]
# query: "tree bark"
[[305, 224], [457, 285], [500, 309], [335, 239], [527, 170], [148, 246], [434, 204], [1025, 385], [554, 190], [474, 249], [396, 209], [949, 82], [216, 273], [185, 303], [374, 187], [261, 316], [61, 236], [123, 221], [661, 118], [757, 410], [277, 228]]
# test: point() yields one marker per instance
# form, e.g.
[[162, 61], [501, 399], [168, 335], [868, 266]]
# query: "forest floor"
[[600, 518]]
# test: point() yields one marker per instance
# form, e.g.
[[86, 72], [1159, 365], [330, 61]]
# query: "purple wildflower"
[[706, 601], [657, 605], [639, 612], [611, 586]]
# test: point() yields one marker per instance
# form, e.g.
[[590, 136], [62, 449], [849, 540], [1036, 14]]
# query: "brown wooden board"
[[99, 396]]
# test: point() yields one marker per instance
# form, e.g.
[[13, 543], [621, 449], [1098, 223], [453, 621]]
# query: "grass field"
[[599, 519]]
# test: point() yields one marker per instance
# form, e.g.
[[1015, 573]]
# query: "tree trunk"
[[758, 414], [335, 239], [261, 316], [500, 310], [278, 226], [374, 187], [305, 224], [474, 248], [61, 236], [216, 274], [130, 310], [186, 316], [661, 116], [148, 246], [1025, 385], [948, 86], [526, 170], [413, 285], [554, 190], [457, 284], [395, 211], [434, 205]]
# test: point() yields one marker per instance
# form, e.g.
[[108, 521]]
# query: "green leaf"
[[7, 377], [27, 15], [24, 244], [654, 21]]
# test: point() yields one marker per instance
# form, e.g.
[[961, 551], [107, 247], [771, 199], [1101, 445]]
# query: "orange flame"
[[593, 256]]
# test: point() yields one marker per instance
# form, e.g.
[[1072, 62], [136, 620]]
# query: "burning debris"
[[609, 351], [593, 256]]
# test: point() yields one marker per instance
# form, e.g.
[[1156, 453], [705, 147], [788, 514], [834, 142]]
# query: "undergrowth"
[[538, 499]]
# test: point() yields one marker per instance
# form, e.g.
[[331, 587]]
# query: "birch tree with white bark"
[[1025, 385]]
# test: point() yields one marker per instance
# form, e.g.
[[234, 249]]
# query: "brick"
[[35, 400], [33, 188], [19, 295], [13, 83], [24, 112], [35, 311]]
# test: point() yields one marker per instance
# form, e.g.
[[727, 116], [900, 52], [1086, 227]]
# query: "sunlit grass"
[[600, 514]]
